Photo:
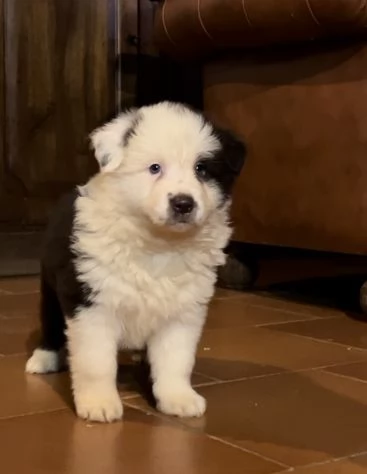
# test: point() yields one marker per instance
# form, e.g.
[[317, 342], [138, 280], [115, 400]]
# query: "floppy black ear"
[[233, 150]]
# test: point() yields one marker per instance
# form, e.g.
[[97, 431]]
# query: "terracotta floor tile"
[[19, 285], [234, 353], [221, 293], [199, 379], [231, 312], [274, 302], [19, 322], [343, 330], [19, 305], [296, 419], [18, 334], [354, 465], [357, 370], [23, 393], [59, 443]]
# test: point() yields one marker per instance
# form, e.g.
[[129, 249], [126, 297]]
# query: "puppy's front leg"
[[171, 353], [93, 363]]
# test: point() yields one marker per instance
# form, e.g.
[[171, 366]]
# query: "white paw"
[[102, 406], [182, 402], [42, 362]]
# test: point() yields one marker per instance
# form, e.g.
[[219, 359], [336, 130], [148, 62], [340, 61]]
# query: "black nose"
[[182, 204]]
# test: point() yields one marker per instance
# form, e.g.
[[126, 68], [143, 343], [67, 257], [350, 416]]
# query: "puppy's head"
[[167, 164]]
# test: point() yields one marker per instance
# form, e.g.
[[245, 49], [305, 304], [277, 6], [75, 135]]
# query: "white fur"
[[43, 361], [106, 141], [151, 279]]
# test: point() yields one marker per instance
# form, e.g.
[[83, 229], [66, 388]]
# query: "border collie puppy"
[[130, 257]]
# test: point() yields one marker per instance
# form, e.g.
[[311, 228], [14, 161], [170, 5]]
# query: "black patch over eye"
[[222, 168], [233, 150], [155, 168], [201, 170]]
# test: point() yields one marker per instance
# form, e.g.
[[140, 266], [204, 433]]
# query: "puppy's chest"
[[158, 286], [142, 299]]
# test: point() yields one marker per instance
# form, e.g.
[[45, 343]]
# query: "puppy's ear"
[[233, 150], [110, 140]]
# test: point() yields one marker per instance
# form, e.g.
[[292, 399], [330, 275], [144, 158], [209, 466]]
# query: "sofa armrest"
[[192, 29]]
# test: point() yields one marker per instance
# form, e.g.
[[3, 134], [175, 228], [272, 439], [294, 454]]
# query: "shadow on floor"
[[337, 292]]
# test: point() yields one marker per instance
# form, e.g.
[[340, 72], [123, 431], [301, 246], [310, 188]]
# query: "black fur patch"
[[233, 150], [61, 291], [225, 164]]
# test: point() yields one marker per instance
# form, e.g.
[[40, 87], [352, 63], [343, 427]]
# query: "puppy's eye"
[[155, 168], [201, 170]]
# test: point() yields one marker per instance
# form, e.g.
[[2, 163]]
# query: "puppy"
[[130, 258]]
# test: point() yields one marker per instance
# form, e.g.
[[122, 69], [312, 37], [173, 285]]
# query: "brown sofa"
[[302, 108], [290, 77]]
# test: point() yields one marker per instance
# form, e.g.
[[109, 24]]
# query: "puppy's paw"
[[43, 362], [180, 401], [101, 405]]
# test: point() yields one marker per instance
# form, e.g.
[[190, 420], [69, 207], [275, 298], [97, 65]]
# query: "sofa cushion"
[[196, 28]]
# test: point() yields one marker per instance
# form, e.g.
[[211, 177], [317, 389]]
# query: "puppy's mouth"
[[181, 222]]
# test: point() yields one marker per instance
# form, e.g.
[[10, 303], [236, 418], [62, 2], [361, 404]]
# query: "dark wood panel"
[[59, 85], [58, 77], [11, 207], [1, 89]]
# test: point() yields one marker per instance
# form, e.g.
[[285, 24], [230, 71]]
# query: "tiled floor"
[[286, 385]]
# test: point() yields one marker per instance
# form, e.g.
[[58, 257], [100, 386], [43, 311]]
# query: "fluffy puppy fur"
[[130, 258]]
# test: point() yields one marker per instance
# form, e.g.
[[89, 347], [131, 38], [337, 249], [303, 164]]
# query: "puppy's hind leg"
[[171, 353], [49, 356]]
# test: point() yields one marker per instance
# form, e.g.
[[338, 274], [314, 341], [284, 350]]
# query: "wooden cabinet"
[[58, 81]]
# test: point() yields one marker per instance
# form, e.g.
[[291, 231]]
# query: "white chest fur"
[[139, 284]]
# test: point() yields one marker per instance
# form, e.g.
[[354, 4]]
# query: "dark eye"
[[201, 170], [155, 168]]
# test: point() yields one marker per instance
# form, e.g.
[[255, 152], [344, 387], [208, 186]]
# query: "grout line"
[[269, 325], [130, 396], [229, 297], [324, 463], [324, 341], [288, 311], [214, 379], [32, 413], [4, 292], [338, 364], [247, 451], [18, 354], [22, 293], [343, 376], [303, 320], [282, 372], [204, 384], [149, 411]]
